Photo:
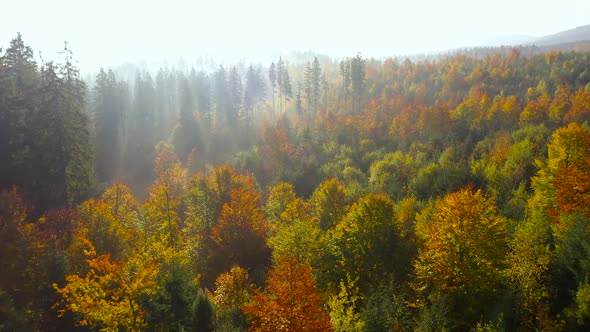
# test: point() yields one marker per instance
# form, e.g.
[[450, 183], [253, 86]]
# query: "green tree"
[[367, 241]]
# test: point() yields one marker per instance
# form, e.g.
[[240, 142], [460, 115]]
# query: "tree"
[[240, 232], [354, 74], [329, 202], [13, 248], [560, 187], [232, 291], [235, 96], [19, 81], [279, 197], [462, 251], [202, 86], [529, 261], [272, 77], [391, 174], [177, 304], [79, 170], [344, 314], [367, 241], [109, 108], [254, 91], [142, 123], [284, 84], [186, 136], [298, 234], [108, 295], [163, 210], [221, 98], [313, 77], [291, 301]]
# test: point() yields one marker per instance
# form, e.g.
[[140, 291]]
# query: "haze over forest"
[[294, 166], [109, 33]]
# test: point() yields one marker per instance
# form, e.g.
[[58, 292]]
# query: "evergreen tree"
[[357, 79], [166, 115], [79, 169], [285, 87], [202, 88], [221, 97], [272, 77], [315, 85], [109, 108], [186, 134], [280, 72], [235, 97], [298, 106], [142, 125], [254, 91], [18, 85]]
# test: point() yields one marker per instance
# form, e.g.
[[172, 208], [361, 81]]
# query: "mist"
[[110, 33]]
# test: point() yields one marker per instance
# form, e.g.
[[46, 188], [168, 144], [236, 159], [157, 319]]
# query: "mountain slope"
[[580, 33]]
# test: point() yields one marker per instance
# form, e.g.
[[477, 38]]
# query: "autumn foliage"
[[290, 301]]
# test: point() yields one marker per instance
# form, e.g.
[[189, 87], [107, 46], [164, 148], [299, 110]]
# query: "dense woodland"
[[314, 195]]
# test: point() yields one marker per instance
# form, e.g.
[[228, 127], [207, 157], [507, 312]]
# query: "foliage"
[[290, 302], [462, 251], [344, 314], [108, 295]]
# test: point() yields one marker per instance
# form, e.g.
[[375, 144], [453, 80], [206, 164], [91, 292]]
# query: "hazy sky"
[[109, 32]]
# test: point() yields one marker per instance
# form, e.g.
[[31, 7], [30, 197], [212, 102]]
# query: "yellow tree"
[[290, 302], [329, 202], [111, 223], [108, 295], [279, 197], [163, 209], [461, 251], [298, 235], [232, 291]]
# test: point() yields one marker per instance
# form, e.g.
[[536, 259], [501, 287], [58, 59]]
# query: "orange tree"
[[291, 301]]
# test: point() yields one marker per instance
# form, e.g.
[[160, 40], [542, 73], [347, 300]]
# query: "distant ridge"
[[581, 33]]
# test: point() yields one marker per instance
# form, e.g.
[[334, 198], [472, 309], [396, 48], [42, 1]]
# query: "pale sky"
[[110, 32]]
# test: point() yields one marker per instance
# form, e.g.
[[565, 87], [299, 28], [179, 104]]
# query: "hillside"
[[312, 195], [581, 33]]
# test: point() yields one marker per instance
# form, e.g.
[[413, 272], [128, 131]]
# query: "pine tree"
[[285, 87], [316, 77], [18, 84], [357, 77], [80, 171], [272, 77], [186, 134], [254, 91], [108, 111], [142, 125], [280, 78], [235, 96], [221, 97], [202, 86]]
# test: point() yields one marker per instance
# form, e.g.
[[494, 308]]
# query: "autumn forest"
[[449, 193]]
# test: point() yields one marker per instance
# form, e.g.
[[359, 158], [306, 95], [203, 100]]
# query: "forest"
[[306, 194]]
